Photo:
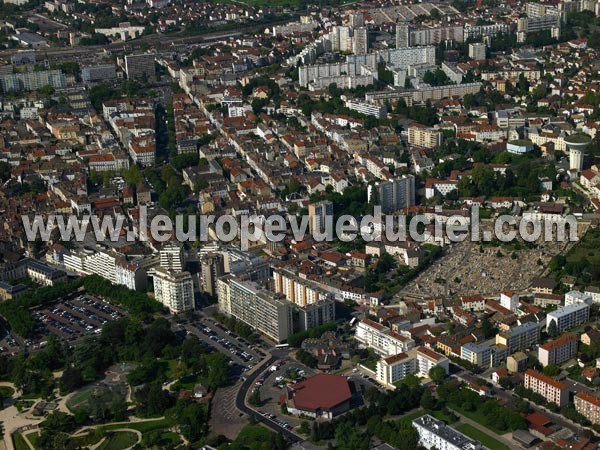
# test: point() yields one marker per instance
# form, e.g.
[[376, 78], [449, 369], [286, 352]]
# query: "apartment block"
[[509, 300], [102, 72], [393, 195], [477, 51], [264, 311], [417, 361], [392, 369], [569, 316], [318, 214], [109, 265], [573, 297], [297, 290], [588, 406], [422, 136], [427, 359], [552, 390], [212, 267], [175, 290], [138, 66], [172, 257], [32, 81], [477, 354], [381, 339], [520, 337], [558, 350], [434, 433]]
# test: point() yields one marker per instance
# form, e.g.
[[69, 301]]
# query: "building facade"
[[552, 390], [559, 350], [175, 290]]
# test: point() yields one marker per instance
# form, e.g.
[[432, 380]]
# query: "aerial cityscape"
[[298, 224]]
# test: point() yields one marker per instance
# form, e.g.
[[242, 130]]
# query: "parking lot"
[[70, 319], [237, 348], [79, 316]]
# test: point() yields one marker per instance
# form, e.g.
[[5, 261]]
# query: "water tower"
[[576, 144]]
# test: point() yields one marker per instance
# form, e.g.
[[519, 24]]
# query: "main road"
[[240, 403]]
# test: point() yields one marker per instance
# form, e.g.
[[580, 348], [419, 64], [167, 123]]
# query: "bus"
[[282, 346], [353, 321]]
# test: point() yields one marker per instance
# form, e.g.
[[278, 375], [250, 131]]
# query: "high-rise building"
[[477, 51], [362, 40], [394, 368], [422, 136], [318, 214], [32, 81], [357, 19], [402, 35], [175, 290], [264, 311], [138, 66], [213, 267], [172, 257], [393, 195]]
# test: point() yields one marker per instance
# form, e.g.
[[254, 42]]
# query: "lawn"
[[6, 391], [142, 427], [34, 438], [88, 439], [119, 440], [19, 442], [485, 439], [408, 418], [476, 417], [586, 248]]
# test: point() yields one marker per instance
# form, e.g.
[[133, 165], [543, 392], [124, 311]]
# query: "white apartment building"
[[558, 350], [569, 316], [442, 187], [110, 266], [552, 390], [574, 297], [417, 361], [381, 339], [175, 290], [509, 300], [392, 369], [172, 257], [425, 137], [368, 109], [434, 433], [427, 359], [593, 292]]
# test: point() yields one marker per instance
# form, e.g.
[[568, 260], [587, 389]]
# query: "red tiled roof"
[[321, 392]]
